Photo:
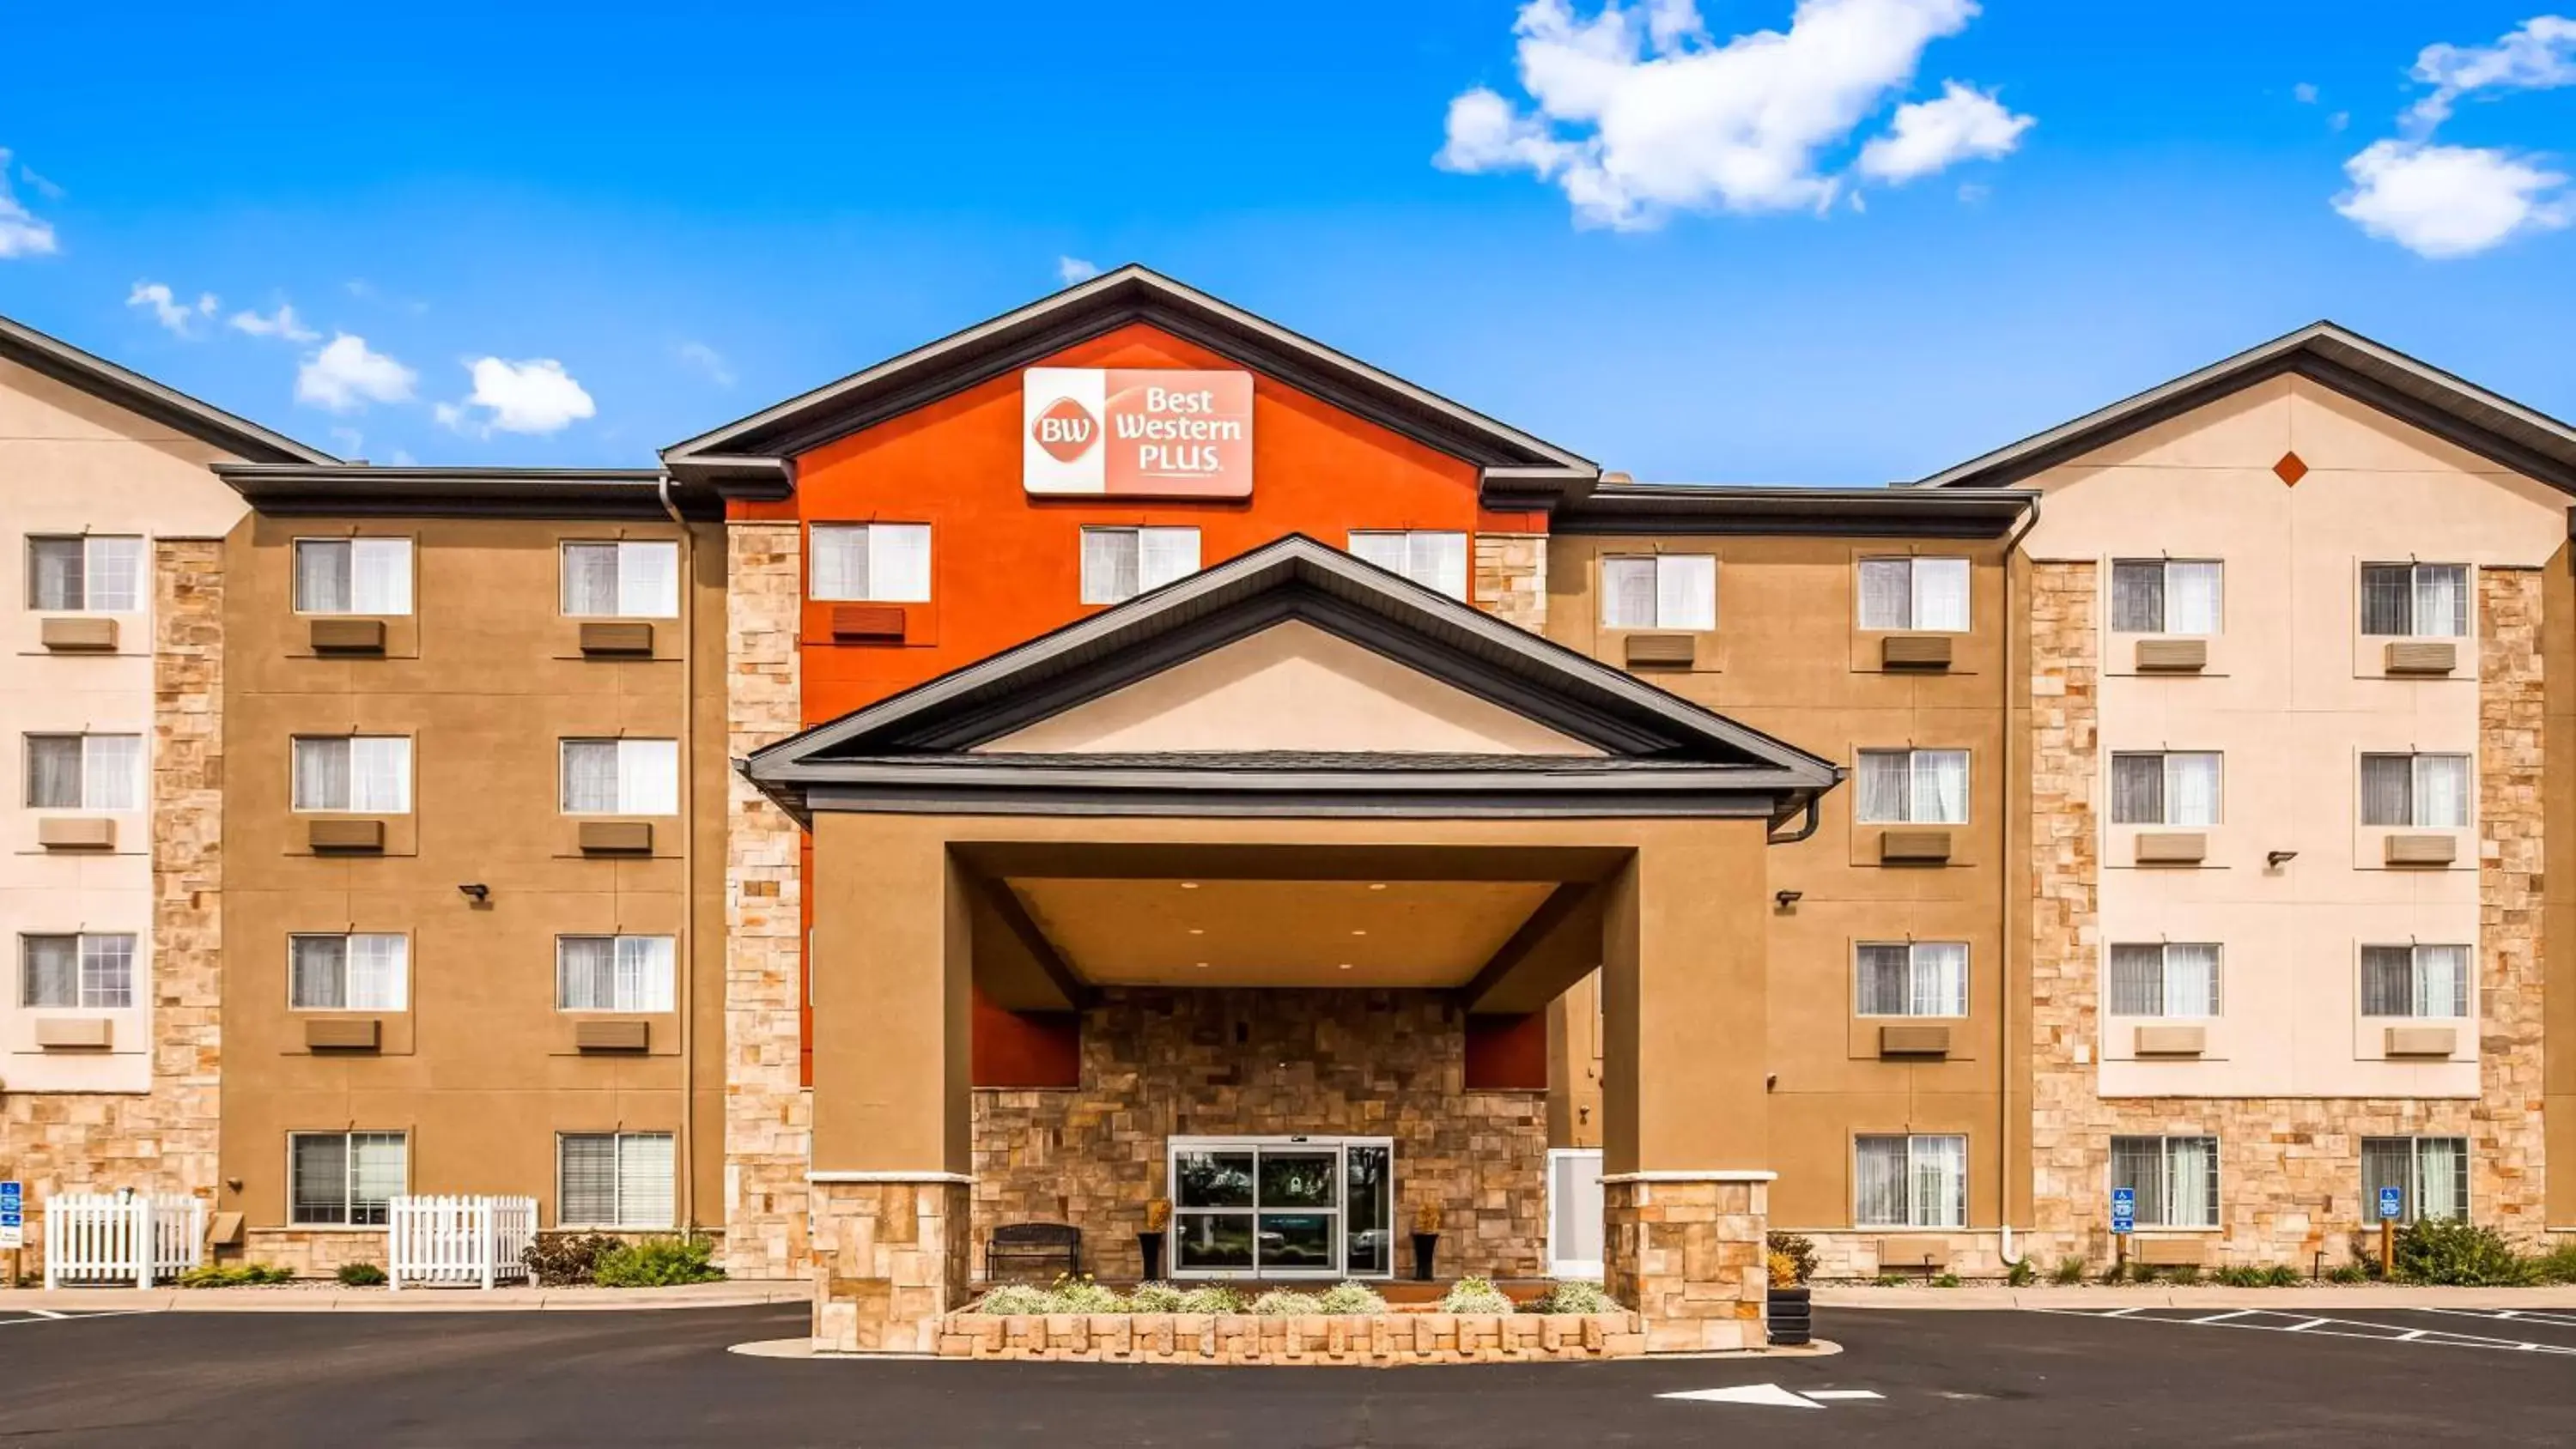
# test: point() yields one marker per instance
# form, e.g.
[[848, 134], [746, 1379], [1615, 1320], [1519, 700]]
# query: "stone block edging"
[[1375, 1340]]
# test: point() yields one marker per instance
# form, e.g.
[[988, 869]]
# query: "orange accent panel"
[[1507, 1052], [1025, 1048]]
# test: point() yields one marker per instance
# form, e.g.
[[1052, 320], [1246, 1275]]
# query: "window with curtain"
[[1918, 1181], [1433, 558], [2425, 792], [2415, 980], [613, 973], [2419, 600], [1913, 787], [345, 1179], [362, 774], [614, 1180], [2166, 596], [1659, 591], [364, 972], [621, 777], [1120, 563], [2174, 978], [637, 580], [2167, 788], [2175, 1179], [85, 972], [90, 574], [1927, 595], [881, 563], [84, 772], [2431, 1175], [353, 576], [1913, 978]]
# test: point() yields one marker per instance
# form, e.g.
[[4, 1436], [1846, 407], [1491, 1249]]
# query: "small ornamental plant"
[[657, 1263], [1287, 1303], [1475, 1295], [1574, 1295], [1426, 1217], [236, 1275], [1214, 1298], [1155, 1298], [1784, 1270], [1344, 1299], [1158, 1214], [1015, 1300], [1800, 1248], [361, 1275], [1082, 1295]]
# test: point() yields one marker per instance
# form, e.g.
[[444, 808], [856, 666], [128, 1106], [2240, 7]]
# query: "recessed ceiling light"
[[1346, 965], [1189, 885], [1198, 931], [1377, 885], [1202, 965], [1359, 932]]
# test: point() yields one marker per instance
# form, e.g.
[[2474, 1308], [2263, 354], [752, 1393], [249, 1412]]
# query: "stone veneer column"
[[1511, 578], [2508, 1184], [894, 1259], [1689, 1251], [2069, 1140], [768, 1112]]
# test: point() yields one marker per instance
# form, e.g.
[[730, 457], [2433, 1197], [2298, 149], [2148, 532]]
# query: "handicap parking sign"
[[2392, 1202], [2124, 1209], [13, 1218]]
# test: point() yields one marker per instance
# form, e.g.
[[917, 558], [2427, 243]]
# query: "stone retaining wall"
[[1378, 1340]]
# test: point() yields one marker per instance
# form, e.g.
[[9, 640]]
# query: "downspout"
[[2003, 1036], [688, 954]]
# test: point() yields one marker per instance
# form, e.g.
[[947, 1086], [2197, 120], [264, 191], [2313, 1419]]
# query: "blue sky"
[[1663, 245]]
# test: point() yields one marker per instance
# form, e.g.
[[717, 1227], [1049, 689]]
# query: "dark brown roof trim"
[[1736, 509], [138, 394], [363, 490], [2458, 412], [1114, 299]]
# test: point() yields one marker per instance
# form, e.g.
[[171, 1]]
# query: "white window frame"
[[667, 748], [654, 981], [2168, 624], [1681, 605], [1427, 554], [2159, 1216], [2170, 767], [1136, 538], [1914, 593], [398, 998], [349, 784], [398, 602], [349, 1202], [630, 584], [1915, 760], [94, 987], [2460, 625], [98, 559], [93, 800], [889, 574], [2413, 1203], [1919, 1213], [2415, 789], [1917, 964], [620, 1220], [2164, 980], [2464, 993]]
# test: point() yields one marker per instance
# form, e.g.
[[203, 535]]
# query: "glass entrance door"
[[1282, 1207]]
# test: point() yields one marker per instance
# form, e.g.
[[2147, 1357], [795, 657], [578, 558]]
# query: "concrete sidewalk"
[[2560, 1298], [331, 1298]]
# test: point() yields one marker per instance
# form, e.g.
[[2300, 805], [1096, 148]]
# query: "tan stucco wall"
[[481, 1071]]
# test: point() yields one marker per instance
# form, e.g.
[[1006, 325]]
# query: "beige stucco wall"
[[2292, 697], [71, 464]]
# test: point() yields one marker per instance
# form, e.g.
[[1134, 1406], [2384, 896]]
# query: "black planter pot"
[[1425, 1247], [1151, 1246], [1791, 1317]]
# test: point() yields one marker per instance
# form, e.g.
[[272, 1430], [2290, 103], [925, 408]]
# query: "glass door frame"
[[1174, 1147]]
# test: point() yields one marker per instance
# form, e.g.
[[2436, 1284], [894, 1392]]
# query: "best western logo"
[[1137, 433], [1066, 429]]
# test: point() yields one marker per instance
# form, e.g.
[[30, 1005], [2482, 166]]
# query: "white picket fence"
[[121, 1238], [459, 1241]]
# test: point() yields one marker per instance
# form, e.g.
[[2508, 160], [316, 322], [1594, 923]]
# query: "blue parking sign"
[[2392, 1202], [2124, 1209], [13, 1216]]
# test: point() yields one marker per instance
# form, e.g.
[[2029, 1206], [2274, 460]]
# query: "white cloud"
[[1070, 270], [27, 173], [1929, 136], [2450, 201], [535, 396], [707, 360], [345, 375], [2305, 92], [179, 317], [2539, 54], [1971, 193], [2338, 120], [1636, 112], [281, 323], [22, 232]]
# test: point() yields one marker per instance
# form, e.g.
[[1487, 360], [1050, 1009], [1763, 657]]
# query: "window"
[[1914, 787], [2423, 600], [73, 973], [1120, 563], [353, 576], [884, 563], [347, 973], [621, 580], [92, 574], [1432, 558], [2431, 1175], [2428, 792], [1913, 978], [1929, 594], [621, 777], [2165, 979], [2165, 789], [2165, 596], [367, 774], [84, 772], [345, 1178], [1910, 1182], [613, 973], [1665, 591], [2175, 1179], [613, 1179], [2414, 980]]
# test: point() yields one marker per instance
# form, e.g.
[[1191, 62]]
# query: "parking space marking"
[[1844, 1394], [2506, 1315], [15, 1317], [2317, 1327]]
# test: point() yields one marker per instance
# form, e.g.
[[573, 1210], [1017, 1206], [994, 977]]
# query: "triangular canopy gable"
[[1169, 702]]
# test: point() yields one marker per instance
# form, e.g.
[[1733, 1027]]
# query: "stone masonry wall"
[[1159, 1063], [1511, 578], [2288, 1168], [163, 1140], [768, 1112]]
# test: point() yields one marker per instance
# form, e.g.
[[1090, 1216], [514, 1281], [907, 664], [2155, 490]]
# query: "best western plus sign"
[[1137, 434]]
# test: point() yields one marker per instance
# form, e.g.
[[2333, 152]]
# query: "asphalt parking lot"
[[2003, 1378]]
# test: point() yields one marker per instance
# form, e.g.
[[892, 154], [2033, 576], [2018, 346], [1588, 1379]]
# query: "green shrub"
[[565, 1260], [361, 1275], [1891, 1280], [1475, 1295], [2280, 1275], [1575, 1296], [1350, 1298], [2465, 1255], [2067, 1273], [2114, 1273], [1946, 1280], [657, 1263], [1082, 1295], [1154, 1298], [2558, 1265], [2020, 1274], [1287, 1303], [2237, 1275], [1799, 1249], [2348, 1273], [1214, 1298], [2184, 1274], [1011, 1299], [235, 1275]]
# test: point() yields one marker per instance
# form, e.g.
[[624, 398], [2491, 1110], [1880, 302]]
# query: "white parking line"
[[1843, 1394], [2507, 1315], [2332, 1328], [2223, 1317], [2304, 1327]]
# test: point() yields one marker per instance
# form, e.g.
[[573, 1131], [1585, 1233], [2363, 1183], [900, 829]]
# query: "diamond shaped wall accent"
[[2290, 469]]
